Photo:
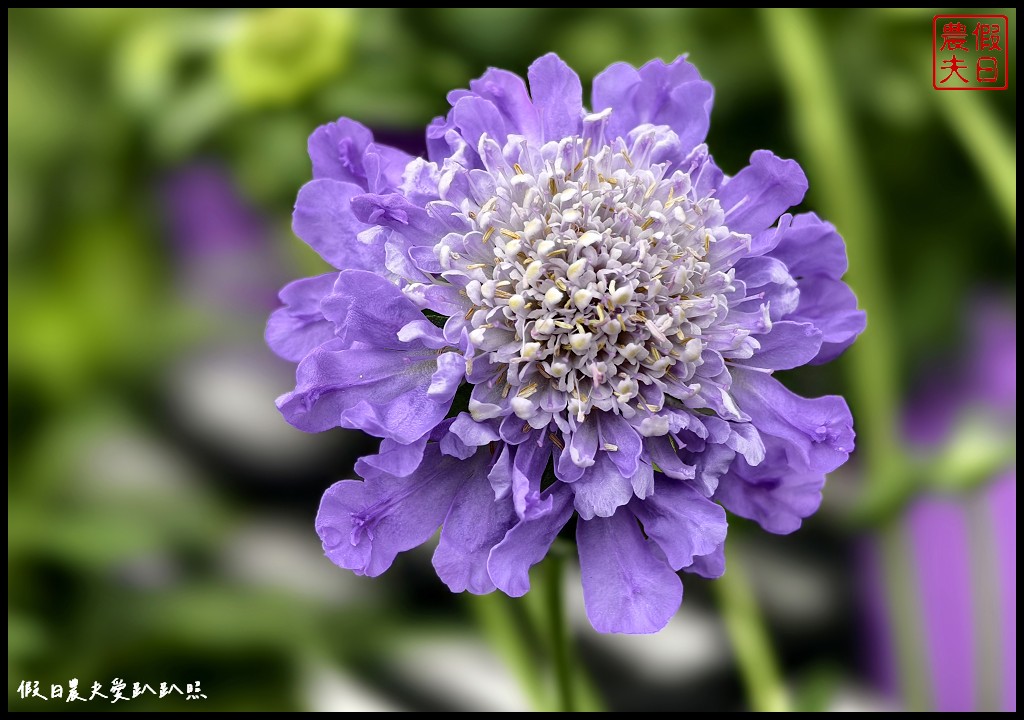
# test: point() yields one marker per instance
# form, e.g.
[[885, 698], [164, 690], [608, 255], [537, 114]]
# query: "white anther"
[[534, 228], [477, 336], [544, 326], [691, 350], [544, 247], [576, 269], [530, 350], [582, 297], [580, 341], [533, 271], [523, 408], [553, 296], [622, 295]]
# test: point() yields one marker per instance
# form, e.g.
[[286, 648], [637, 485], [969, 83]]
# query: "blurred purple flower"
[[222, 243], [962, 548], [558, 314]]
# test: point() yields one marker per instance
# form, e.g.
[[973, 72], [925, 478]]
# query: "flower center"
[[592, 287]]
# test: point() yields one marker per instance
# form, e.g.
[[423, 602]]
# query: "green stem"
[[502, 623], [573, 688], [532, 636], [750, 639], [561, 642], [988, 145]]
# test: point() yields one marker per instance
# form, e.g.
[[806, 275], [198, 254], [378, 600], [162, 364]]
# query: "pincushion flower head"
[[565, 316]]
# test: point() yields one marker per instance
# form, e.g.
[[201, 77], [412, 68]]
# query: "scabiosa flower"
[[565, 314]]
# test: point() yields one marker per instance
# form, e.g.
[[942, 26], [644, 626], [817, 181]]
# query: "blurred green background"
[[160, 513]]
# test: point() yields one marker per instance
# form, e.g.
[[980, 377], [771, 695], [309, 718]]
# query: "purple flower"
[[560, 314]]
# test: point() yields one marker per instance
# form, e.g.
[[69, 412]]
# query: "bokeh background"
[[160, 513]]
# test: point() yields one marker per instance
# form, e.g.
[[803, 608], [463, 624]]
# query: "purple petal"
[[420, 180], [642, 481], [684, 523], [382, 392], [485, 400], [557, 95], [776, 494], [710, 465], [818, 431], [566, 469], [472, 432], [705, 175], [397, 258], [661, 453], [620, 441], [628, 587], [451, 369], [393, 458], [444, 142], [746, 441], [659, 94], [337, 149], [832, 307], [425, 259], [583, 443], [444, 299], [475, 524], [758, 194], [475, 118], [764, 242], [300, 326], [378, 323], [788, 345], [325, 221], [770, 279], [412, 222], [507, 92], [500, 475], [514, 431], [811, 246], [528, 542], [364, 525], [614, 87], [345, 151], [385, 171], [527, 470], [603, 488], [450, 444], [709, 566]]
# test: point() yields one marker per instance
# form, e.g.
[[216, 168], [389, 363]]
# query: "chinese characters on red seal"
[[969, 52]]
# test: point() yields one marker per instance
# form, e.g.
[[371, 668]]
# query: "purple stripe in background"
[[1002, 498], [994, 374], [222, 244], [940, 547], [206, 214]]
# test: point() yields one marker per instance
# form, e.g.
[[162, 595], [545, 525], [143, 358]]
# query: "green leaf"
[[436, 318], [460, 403]]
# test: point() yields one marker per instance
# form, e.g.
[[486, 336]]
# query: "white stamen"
[[602, 258], [553, 296]]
